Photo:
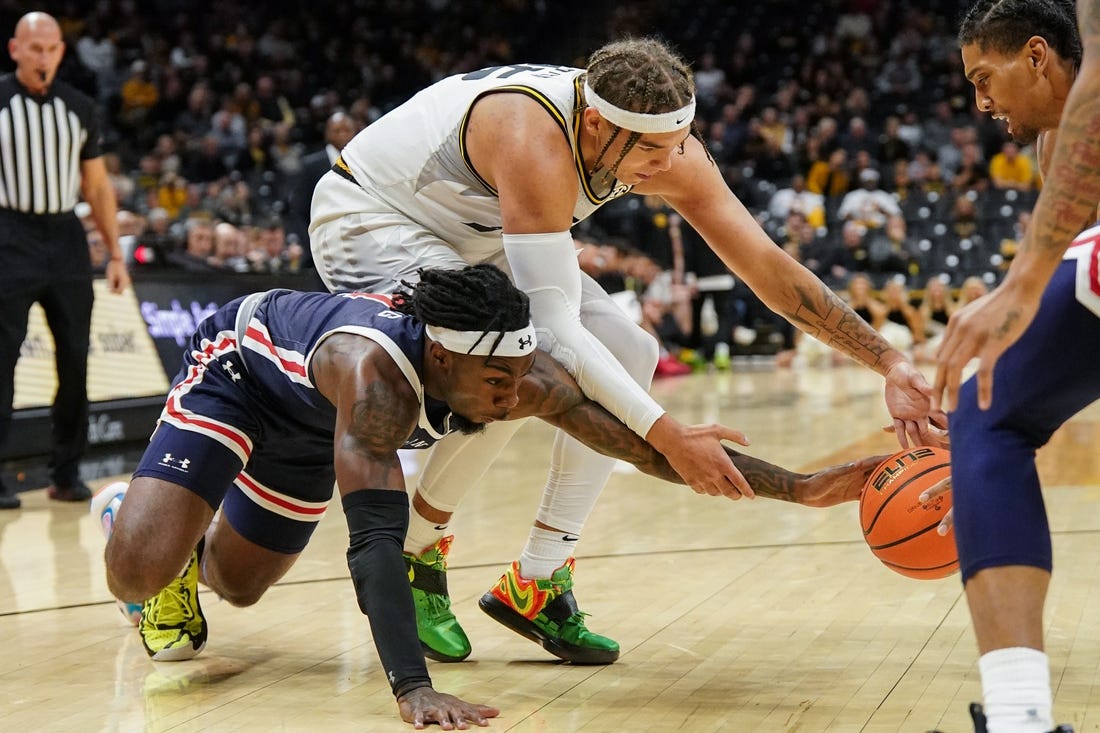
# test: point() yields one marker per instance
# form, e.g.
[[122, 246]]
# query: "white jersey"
[[413, 160]]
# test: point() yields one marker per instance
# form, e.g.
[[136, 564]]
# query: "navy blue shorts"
[[1039, 382], [272, 476]]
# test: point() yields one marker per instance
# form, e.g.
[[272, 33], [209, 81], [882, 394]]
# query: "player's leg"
[[268, 515], [155, 526], [1000, 520], [155, 535], [534, 597], [455, 464]]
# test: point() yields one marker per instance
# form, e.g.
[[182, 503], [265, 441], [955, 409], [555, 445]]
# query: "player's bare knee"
[[131, 576], [240, 595]]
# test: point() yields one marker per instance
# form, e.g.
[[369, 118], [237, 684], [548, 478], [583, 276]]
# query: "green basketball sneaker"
[[544, 611], [172, 625], [441, 636]]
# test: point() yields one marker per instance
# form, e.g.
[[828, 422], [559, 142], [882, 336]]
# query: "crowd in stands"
[[847, 127]]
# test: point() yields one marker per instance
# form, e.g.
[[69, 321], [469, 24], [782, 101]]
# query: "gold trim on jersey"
[[534, 94], [578, 120]]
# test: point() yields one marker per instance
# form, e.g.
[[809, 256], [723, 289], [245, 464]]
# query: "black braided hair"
[[1005, 26], [641, 75], [475, 298]]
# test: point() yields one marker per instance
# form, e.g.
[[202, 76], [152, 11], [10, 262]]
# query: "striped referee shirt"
[[42, 143]]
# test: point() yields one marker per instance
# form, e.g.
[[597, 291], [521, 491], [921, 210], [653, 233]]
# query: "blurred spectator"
[[838, 263], [936, 307], [902, 326], [339, 129], [829, 177], [137, 96], [171, 194], [964, 217], [198, 250], [972, 173], [891, 147], [96, 50], [205, 163], [858, 137], [972, 288], [797, 199], [1011, 169], [890, 249], [123, 185], [869, 205], [229, 248], [157, 239]]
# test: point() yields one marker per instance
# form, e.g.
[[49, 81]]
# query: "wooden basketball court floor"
[[732, 616]]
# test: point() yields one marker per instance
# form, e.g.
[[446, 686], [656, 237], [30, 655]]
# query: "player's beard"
[[1025, 136], [465, 425]]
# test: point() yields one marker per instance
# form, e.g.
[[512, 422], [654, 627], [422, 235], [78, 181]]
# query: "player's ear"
[[1038, 52], [439, 357]]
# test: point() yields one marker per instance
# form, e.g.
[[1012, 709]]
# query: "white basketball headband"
[[640, 121], [480, 343]]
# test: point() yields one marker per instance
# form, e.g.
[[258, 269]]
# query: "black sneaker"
[[76, 492], [9, 501], [978, 716]]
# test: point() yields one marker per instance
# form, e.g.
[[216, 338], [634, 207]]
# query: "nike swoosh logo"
[[680, 122], [441, 526], [568, 538]]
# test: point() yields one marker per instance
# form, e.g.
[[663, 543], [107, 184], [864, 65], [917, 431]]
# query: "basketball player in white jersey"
[[496, 166]]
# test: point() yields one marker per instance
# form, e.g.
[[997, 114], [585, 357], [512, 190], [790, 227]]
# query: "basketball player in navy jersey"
[[496, 165], [1037, 337], [272, 383]]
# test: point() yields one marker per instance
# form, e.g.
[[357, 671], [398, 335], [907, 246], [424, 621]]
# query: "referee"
[[49, 159]]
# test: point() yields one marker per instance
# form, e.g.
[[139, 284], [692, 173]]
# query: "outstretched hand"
[[909, 400], [424, 705], [982, 329], [696, 453]]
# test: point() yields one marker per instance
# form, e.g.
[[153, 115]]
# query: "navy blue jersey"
[[275, 336]]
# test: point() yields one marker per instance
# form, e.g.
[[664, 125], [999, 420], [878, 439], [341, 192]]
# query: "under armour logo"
[[167, 458], [525, 342], [185, 463], [392, 678], [228, 366]]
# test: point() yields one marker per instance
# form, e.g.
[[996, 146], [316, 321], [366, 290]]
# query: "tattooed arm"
[[694, 187], [548, 392], [1071, 192], [376, 410]]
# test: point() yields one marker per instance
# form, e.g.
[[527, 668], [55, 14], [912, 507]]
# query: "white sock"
[[546, 551], [422, 534], [1016, 690]]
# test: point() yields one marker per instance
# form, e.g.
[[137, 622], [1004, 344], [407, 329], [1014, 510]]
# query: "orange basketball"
[[901, 531]]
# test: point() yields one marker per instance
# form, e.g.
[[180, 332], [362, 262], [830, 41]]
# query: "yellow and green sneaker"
[[544, 611], [172, 625], [441, 636]]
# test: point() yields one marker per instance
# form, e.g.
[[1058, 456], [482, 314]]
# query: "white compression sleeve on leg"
[[545, 267], [457, 462]]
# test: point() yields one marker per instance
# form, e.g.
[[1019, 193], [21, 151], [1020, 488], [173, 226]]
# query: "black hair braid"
[[475, 298], [1005, 26]]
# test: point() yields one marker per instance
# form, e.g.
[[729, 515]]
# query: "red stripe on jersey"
[[288, 366]]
